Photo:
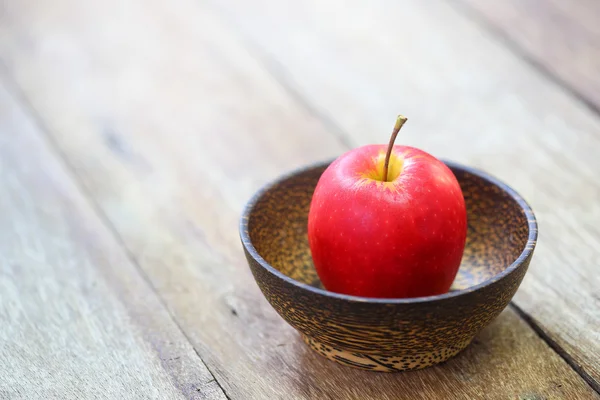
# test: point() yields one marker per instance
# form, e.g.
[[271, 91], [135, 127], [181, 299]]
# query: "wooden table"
[[132, 133]]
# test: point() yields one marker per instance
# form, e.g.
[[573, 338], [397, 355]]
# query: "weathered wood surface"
[[468, 98], [563, 37], [171, 123], [77, 320]]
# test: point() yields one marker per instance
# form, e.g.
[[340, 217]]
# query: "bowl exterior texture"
[[389, 334]]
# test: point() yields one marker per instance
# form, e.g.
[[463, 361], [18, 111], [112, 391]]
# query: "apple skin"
[[396, 239]]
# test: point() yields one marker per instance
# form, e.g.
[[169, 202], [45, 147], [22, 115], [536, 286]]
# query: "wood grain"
[[469, 99], [76, 318], [171, 125], [562, 37]]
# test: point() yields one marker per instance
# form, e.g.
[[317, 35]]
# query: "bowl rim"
[[527, 250]]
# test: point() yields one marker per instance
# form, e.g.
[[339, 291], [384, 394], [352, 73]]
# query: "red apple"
[[387, 232]]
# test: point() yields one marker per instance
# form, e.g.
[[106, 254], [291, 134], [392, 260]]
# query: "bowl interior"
[[497, 227]]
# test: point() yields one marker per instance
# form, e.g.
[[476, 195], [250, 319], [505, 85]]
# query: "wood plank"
[[76, 318], [563, 37], [172, 125], [467, 98]]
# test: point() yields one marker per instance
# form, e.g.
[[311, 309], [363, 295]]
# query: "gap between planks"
[[463, 8], [533, 324]]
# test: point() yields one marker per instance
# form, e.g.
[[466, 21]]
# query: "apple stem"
[[399, 122]]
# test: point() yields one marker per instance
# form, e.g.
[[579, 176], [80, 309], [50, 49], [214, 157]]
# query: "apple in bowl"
[[387, 222]]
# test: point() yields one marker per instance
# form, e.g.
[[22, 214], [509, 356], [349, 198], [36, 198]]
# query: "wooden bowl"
[[388, 334]]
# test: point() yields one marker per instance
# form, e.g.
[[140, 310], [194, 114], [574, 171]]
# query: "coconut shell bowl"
[[388, 334]]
